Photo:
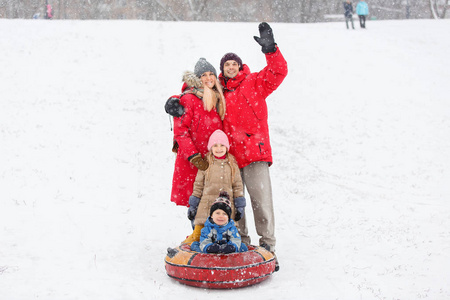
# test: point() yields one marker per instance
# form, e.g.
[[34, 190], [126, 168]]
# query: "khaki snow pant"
[[256, 179]]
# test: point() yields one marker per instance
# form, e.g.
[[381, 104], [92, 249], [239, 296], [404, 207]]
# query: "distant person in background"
[[49, 12], [362, 10], [348, 7]]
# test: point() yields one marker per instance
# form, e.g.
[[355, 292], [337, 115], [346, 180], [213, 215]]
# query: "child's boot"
[[195, 236]]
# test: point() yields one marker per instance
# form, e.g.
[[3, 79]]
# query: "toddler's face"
[[220, 217], [219, 150]]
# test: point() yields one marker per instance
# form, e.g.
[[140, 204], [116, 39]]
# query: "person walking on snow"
[[362, 10], [222, 175], [246, 125], [49, 12], [348, 7]]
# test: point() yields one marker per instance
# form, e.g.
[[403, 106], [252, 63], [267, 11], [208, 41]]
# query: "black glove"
[[198, 161], [239, 203], [193, 205], [222, 242], [266, 40], [227, 248], [213, 248], [173, 107], [238, 215]]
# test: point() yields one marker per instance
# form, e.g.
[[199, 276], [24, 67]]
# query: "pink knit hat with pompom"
[[218, 137]]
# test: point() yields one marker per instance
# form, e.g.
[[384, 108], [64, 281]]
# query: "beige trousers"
[[256, 179]]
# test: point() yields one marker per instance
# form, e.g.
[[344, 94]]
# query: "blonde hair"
[[231, 161], [214, 98]]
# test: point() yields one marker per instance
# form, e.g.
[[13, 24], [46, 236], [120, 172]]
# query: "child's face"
[[219, 150], [220, 217]]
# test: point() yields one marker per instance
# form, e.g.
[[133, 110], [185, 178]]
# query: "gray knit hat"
[[203, 66]]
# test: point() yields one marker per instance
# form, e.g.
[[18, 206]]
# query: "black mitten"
[[193, 205], [239, 203], [173, 107], [228, 248], [213, 248], [266, 40], [238, 214], [192, 212]]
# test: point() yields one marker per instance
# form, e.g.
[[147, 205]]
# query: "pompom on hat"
[[218, 137], [203, 66], [230, 56], [222, 202]]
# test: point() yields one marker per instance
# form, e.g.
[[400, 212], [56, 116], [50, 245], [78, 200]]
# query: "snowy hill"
[[359, 130]]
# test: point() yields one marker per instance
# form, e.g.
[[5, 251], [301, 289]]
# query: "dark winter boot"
[[277, 265]]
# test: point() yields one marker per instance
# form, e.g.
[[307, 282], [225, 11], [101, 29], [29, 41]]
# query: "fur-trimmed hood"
[[192, 80], [173, 106]]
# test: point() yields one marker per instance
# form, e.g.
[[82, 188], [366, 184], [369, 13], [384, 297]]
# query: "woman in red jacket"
[[198, 112]]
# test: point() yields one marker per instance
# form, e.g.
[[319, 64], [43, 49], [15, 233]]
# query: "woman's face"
[[208, 79]]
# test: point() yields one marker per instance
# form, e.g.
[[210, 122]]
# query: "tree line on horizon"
[[288, 11]]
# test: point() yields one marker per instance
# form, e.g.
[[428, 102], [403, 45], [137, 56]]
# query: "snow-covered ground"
[[360, 131]]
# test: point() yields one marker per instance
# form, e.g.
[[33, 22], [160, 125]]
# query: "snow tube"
[[219, 271]]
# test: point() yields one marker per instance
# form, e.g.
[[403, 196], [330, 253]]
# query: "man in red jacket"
[[246, 126]]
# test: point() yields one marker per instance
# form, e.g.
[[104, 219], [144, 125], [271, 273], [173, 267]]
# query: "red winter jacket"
[[191, 132], [245, 120]]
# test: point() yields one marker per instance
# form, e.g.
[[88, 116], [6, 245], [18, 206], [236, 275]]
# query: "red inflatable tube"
[[219, 271]]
